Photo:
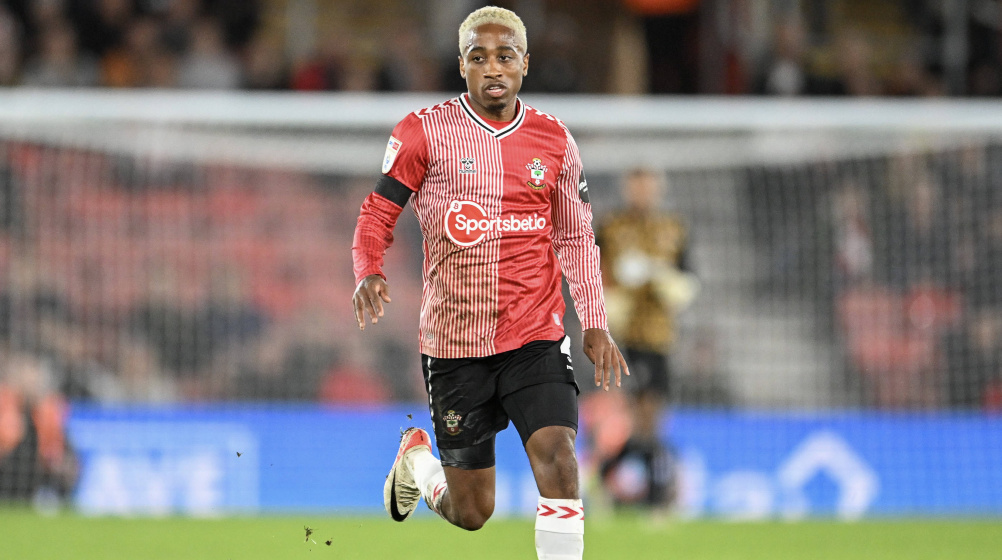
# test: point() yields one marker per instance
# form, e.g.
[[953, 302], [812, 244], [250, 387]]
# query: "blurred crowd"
[[770, 47], [189, 283], [902, 253]]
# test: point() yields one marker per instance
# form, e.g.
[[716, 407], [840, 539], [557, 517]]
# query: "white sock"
[[430, 478], [559, 529]]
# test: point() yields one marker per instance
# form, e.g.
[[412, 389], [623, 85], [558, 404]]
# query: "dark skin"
[[493, 65]]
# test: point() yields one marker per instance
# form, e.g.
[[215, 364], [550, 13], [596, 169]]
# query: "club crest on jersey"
[[392, 147], [452, 421], [537, 174]]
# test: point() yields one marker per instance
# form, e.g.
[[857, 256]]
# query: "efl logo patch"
[[537, 174], [392, 147], [452, 421]]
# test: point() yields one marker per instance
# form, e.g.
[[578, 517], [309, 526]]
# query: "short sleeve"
[[406, 157]]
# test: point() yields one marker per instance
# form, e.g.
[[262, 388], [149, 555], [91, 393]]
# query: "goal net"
[[175, 285]]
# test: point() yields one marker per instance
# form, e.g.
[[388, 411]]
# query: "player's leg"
[[468, 501], [467, 415], [650, 403], [546, 418]]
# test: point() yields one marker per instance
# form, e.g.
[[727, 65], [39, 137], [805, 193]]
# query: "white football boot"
[[400, 493]]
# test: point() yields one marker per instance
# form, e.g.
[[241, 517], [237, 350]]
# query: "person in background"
[[10, 49], [59, 62], [37, 463], [648, 281], [208, 64]]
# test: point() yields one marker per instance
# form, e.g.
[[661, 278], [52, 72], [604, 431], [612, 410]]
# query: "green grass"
[[27, 536]]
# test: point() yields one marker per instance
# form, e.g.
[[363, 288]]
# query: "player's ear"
[[525, 64], [462, 67]]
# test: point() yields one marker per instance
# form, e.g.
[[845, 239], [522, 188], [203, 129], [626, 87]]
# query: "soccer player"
[[501, 198], [648, 281]]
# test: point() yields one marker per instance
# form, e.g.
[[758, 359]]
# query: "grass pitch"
[[27, 536]]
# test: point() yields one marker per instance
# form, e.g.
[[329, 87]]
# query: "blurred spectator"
[[910, 78], [265, 67], [27, 297], [786, 71], [853, 236], [37, 462], [671, 30], [854, 58], [179, 19], [238, 19], [102, 24], [974, 360], [10, 49], [918, 245], [983, 283], [140, 60], [327, 69], [288, 362], [59, 63], [230, 316], [408, 64], [140, 378], [552, 70], [176, 333], [208, 64], [12, 208]]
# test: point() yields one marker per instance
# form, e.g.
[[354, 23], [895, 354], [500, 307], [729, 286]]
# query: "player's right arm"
[[404, 167]]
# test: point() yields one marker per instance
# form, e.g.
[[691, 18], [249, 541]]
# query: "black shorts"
[[649, 372], [472, 399]]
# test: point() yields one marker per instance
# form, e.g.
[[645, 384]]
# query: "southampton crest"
[[537, 172], [452, 421]]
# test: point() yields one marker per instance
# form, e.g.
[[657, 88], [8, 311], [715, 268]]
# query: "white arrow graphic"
[[827, 452]]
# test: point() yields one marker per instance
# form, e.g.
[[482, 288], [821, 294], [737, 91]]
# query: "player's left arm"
[[574, 243]]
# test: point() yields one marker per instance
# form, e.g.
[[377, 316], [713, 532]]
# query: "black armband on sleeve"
[[393, 190]]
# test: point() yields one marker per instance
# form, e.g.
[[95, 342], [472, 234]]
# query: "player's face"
[[493, 65]]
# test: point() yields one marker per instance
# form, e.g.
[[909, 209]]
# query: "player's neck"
[[503, 115]]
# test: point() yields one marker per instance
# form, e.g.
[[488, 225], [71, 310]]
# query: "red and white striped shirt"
[[503, 208]]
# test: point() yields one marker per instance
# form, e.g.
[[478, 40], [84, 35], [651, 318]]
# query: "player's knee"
[[565, 467], [474, 517]]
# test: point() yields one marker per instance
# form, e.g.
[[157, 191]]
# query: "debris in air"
[[239, 453], [309, 532], [329, 541], [410, 416]]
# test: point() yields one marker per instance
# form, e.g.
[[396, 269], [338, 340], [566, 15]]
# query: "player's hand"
[[601, 349], [369, 296]]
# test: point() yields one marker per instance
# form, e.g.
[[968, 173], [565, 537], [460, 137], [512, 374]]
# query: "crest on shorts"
[[537, 174], [452, 421]]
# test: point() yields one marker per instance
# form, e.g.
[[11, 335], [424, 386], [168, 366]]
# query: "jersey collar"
[[497, 133]]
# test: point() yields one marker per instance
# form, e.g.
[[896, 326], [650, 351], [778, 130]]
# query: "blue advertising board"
[[219, 459]]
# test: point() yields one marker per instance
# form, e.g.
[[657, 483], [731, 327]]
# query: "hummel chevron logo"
[[567, 512]]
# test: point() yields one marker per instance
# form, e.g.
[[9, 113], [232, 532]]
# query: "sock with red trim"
[[559, 529], [430, 478]]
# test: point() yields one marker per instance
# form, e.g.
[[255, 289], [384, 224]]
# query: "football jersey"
[[503, 209]]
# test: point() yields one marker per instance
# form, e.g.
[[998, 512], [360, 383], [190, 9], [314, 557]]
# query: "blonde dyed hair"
[[495, 15]]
